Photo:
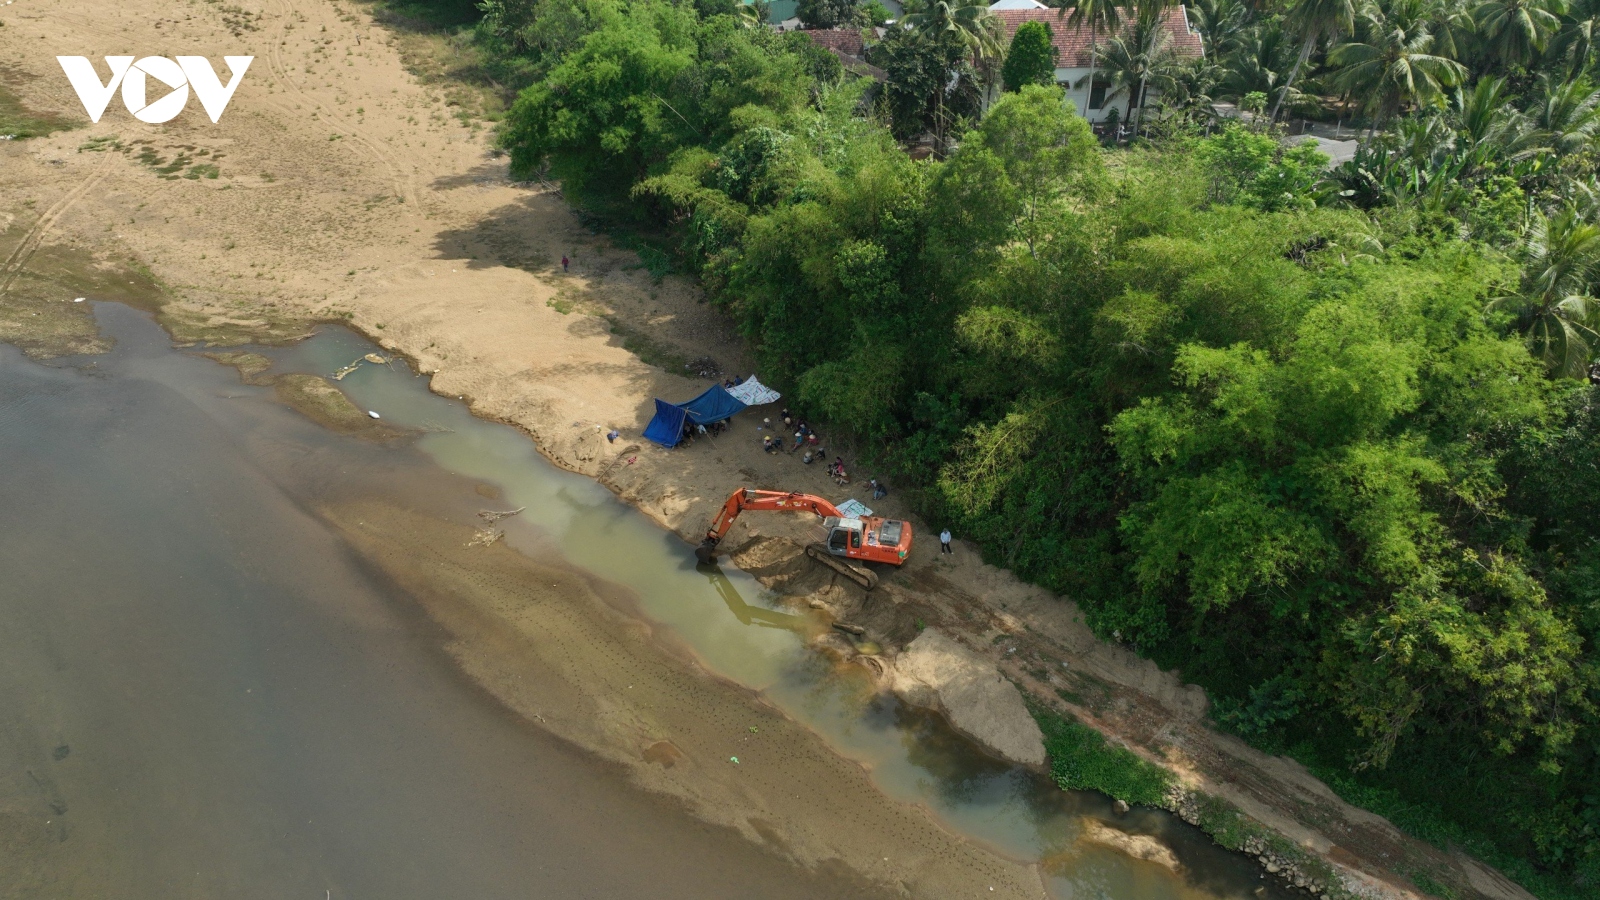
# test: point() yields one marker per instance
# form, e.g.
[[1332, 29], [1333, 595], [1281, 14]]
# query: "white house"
[[1072, 52]]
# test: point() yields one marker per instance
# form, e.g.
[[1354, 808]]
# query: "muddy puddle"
[[215, 680]]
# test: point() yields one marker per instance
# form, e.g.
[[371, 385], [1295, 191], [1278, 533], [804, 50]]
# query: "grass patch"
[[203, 170], [649, 351], [100, 144], [166, 168], [1232, 830], [18, 123], [435, 42], [237, 19], [1082, 760]]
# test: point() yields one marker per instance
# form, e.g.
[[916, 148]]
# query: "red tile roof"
[[1072, 44], [843, 40]]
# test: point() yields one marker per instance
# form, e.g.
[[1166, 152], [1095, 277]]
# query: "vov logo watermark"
[[134, 78]]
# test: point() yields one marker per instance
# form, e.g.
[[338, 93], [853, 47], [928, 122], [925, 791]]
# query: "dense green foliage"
[[1031, 58], [1312, 436], [1081, 760]]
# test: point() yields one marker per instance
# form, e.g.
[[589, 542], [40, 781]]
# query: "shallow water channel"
[[194, 698]]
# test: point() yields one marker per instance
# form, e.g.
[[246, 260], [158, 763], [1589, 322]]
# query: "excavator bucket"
[[706, 553]]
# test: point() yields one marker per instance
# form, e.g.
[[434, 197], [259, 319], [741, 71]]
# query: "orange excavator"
[[868, 538]]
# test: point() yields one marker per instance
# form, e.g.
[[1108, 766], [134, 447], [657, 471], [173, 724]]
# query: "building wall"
[[1079, 97]]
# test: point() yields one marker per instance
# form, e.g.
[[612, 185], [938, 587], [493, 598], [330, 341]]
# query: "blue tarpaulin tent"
[[714, 405], [666, 428]]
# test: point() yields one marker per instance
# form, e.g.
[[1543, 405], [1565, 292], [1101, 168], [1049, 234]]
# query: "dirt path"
[[336, 187]]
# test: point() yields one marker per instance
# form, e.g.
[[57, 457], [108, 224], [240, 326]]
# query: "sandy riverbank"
[[344, 190]]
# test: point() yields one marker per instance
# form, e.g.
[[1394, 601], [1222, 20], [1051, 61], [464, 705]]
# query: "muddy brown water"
[[205, 693]]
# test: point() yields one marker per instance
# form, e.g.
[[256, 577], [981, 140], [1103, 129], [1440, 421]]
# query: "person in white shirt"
[[944, 541]]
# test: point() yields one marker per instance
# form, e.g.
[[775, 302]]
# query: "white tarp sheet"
[[854, 509], [754, 393]]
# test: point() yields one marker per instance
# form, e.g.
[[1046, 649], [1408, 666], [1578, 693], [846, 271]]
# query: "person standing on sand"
[[944, 542], [565, 262]]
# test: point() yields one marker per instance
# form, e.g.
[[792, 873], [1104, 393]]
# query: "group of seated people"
[[691, 430]]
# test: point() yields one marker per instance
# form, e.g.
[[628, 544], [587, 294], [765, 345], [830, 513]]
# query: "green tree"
[[1142, 53], [1313, 20], [932, 86], [1098, 15], [601, 117], [827, 13], [1259, 63], [1516, 30], [1038, 151], [1574, 40], [1222, 23], [968, 22], [1256, 170], [1031, 58], [1553, 306], [1391, 65]]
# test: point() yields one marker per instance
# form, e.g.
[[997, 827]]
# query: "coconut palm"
[[1553, 307], [972, 27], [969, 21], [1455, 32], [1514, 31], [1190, 89], [1097, 14], [1223, 24], [1489, 129], [1136, 57], [1314, 20], [1566, 114], [1575, 39], [1260, 63], [754, 14], [1392, 64]]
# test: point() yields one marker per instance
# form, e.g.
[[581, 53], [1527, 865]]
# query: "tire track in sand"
[[35, 237], [403, 179]]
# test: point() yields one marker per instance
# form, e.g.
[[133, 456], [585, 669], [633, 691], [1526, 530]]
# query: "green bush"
[[1081, 760]]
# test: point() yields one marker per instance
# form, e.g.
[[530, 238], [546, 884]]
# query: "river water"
[[203, 693]]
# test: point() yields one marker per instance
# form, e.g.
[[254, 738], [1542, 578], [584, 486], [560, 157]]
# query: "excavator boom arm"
[[749, 498]]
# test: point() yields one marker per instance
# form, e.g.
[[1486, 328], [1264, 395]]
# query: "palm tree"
[[1576, 37], [1455, 33], [1140, 54], [1260, 63], [1552, 306], [1313, 20], [754, 14], [1189, 89], [1490, 130], [1515, 30], [1223, 24], [1566, 114], [1097, 14], [1392, 66], [969, 21], [972, 26]]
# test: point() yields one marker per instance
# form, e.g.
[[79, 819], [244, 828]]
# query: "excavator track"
[[866, 578]]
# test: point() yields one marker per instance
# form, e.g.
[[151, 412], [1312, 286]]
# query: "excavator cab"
[[844, 535]]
